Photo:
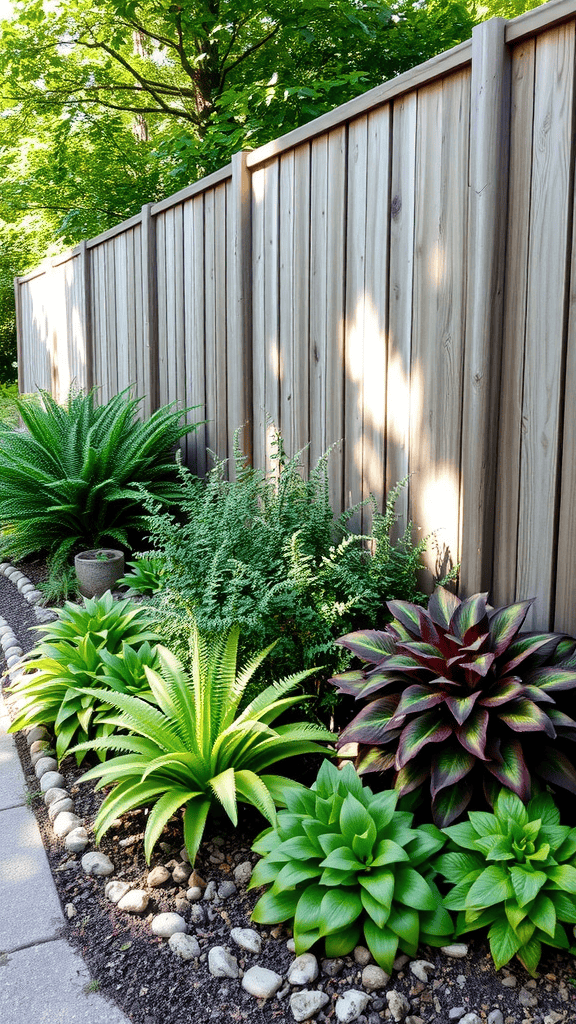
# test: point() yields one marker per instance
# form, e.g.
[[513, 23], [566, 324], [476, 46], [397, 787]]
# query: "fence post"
[[19, 359], [488, 194], [239, 340], [149, 312], [87, 317]]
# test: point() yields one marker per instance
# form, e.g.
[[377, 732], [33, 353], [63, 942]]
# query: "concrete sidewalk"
[[42, 980]]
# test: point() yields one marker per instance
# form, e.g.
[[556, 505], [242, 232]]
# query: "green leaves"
[[527, 890], [71, 479], [195, 748], [372, 869], [450, 695]]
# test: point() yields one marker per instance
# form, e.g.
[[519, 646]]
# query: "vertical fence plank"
[[545, 317], [149, 311], [398, 395], [334, 429], [258, 317], [565, 596], [512, 380], [319, 255], [355, 313], [220, 277], [210, 302], [286, 340], [271, 311], [86, 314], [489, 153]]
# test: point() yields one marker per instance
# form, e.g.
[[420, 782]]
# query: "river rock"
[[306, 1003], [303, 970], [350, 1005], [116, 889], [243, 873], [221, 963], [134, 902], [261, 982], [185, 946], [157, 876], [51, 779], [194, 894], [397, 1004], [97, 864], [247, 939], [166, 925], [457, 950], [373, 977], [77, 840], [421, 969], [65, 822], [362, 955], [181, 873], [65, 804], [470, 1018], [45, 766], [56, 793], [37, 732]]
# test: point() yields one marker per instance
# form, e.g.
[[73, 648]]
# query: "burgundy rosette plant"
[[456, 695]]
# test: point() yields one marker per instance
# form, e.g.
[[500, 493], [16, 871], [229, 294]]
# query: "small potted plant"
[[98, 570]]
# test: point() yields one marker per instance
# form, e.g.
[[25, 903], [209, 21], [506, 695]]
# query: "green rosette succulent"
[[515, 872], [458, 698], [343, 862]]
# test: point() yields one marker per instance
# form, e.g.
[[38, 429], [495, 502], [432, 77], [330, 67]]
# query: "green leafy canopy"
[[196, 747], [342, 863]]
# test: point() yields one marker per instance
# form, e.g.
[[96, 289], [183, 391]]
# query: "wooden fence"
[[396, 274]]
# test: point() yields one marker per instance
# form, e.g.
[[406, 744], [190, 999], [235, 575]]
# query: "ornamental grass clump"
[[196, 748], [514, 871], [71, 479], [342, 863], [103, 644], [458, 698]]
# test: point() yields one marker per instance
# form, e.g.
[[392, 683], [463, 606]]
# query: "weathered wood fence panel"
[[398, 276]]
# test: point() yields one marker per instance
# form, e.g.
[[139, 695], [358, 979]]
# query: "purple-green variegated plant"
[[456, 696]]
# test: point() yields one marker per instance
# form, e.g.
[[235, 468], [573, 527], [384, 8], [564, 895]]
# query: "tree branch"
[[247, 53]]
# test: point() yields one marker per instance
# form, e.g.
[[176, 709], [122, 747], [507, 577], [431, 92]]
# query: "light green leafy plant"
[[515, 872], [71, 479], [343, 862], [146, 575], [104, 643], [196, 749]]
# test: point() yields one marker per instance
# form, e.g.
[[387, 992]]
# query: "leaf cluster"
[[343, 863], [514, 871], [103, 644], [71, 478], [455, 695], [195, 748], [266, 553]]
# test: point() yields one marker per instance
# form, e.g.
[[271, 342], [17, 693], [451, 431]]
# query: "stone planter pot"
[[98, 570]]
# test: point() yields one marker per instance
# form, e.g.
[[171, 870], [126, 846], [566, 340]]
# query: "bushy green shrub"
[[513, 871], [265, 552], [145, 576], [104, 644], [195, 748], [343, 863], [457, 698], [71, 479]]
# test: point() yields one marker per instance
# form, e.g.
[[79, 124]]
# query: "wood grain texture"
[[258, 318], [512, 384], [547, 270], [193, 227], [398, 397]]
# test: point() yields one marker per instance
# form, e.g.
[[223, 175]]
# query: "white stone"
[[12, 662], [37, 732], [157, 876], [457, 950], [306, 1003], [291, 946], [261, 982], [134, 902], [470, 1018], [65, 804], [98, 864], [421, 969], [36, 755], [194, 894], [181, 873], [184, 946], [303, 970], [496, 1017], [14, 575], [54, 793], [27, 588], [166, 925], [362, 955], [116, 889], [45, 766], [247, 938], [65, 822], [397, 1004], [373, 977], [243, 873], [350, 1005], [221, 963], [77, 840]]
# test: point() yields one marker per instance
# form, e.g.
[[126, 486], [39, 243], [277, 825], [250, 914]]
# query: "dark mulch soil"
[[141, 974]]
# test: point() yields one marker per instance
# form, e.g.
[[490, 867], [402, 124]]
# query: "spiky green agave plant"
[[456, 695], [513, 871], [196, 748], [71, 479]]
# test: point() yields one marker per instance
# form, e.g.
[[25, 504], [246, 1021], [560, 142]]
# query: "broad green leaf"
[[292, 874], [455, 867], [342, 943], [382, 943], [543, 914], [342, 859], [472, 734], [424, 729], [564, 876], [512, 771], [492, 886], [339, 910], [505, 623], [450, 764], [411, 889], [388, 852], [464, 835], [504, 943], [194, 821], [527, 884], [307, 914], [380, 885], [529, 955], [564, 905], [370, 645], [379, 912], [405, 922], [524, 715], [273, 908]]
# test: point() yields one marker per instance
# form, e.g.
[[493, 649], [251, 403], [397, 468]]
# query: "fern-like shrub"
[[266, 553], [71, 479]]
